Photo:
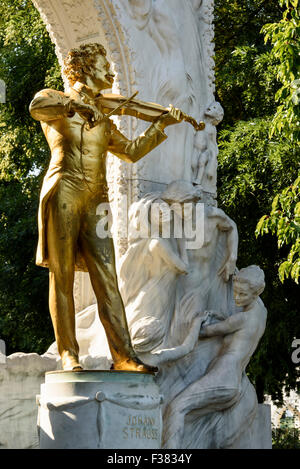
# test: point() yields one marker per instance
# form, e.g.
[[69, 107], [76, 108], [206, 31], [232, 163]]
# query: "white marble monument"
[[179, 296]]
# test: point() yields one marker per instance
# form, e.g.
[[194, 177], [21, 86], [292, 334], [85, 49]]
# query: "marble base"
[[99, 409]]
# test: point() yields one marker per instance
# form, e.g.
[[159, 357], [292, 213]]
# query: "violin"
[[115, 104]]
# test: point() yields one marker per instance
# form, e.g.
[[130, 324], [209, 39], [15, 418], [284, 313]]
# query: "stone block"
[[99, 409]]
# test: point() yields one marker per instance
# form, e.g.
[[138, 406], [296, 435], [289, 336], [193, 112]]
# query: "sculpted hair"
[[254, 276], [80, 62]]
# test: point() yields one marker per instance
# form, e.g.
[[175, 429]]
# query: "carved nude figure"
[[204, 163], [220, 387]]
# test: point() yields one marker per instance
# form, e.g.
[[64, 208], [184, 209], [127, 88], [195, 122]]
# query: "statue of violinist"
[[79, 133]]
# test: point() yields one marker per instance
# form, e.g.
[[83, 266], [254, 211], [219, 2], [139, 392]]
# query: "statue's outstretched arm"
[[174, 353], [228, 326], [133, 150]]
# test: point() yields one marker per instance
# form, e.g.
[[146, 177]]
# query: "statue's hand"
[[228, 268], [86, 111], [174, 116]]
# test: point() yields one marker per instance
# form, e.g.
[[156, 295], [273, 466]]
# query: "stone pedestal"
[[99, 409]]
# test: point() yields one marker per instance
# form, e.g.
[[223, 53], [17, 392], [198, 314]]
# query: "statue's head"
[[214, 112], [248, 284], [88, 64]]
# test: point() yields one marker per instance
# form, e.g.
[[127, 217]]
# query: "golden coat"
[[60, 127]]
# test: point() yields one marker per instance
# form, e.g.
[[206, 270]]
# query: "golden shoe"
[[70, 362]]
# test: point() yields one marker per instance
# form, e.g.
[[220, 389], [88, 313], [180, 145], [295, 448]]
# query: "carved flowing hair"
[[80, 62]]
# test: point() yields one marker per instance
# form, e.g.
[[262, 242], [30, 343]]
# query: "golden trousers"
[[71, 228]]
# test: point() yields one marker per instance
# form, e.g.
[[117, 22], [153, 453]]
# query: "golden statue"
[[79, 133]]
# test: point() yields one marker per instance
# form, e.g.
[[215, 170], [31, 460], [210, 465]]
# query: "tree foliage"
[[255, 165], [245, 80], [284, 221], [286, 438], [27, 64], [284, 218], [285, 39]]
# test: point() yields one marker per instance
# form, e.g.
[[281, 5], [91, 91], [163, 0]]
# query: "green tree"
[[284, 37], [254, 166], [286, 438], [284, 222], [245, 79], [27, 64], [284, 218]]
